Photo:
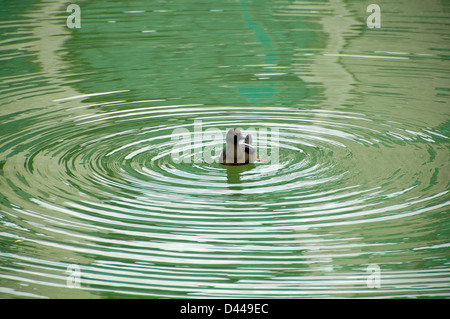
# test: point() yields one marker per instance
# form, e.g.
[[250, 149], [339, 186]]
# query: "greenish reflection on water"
[[87, 118]]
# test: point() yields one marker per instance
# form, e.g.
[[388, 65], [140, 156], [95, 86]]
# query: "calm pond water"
[[108, 189]]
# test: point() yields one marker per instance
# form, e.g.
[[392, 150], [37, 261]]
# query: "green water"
[[353, 124]]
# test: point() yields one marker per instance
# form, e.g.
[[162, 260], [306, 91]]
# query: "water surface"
[[89, 182]]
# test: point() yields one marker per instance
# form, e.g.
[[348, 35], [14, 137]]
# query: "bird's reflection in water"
[[234, 175]]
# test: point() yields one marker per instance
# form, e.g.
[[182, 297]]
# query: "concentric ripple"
[[108, 182], [109, 138]]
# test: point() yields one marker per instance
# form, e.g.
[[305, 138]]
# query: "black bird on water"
[[235, 153]]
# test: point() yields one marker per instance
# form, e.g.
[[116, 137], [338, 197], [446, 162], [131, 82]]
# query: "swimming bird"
[[237, 154]]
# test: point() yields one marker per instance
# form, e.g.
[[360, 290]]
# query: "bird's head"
[[234, 136]]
